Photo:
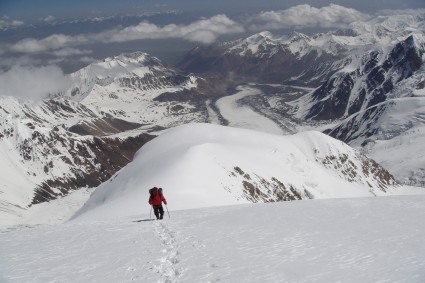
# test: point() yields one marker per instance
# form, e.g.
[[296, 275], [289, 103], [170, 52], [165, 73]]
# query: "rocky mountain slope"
[[139, 88], [298, 58], [265, 58], [80, 138], [43, 158], [369, 78]]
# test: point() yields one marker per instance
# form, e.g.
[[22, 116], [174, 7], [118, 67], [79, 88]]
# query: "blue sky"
[[31, 10]]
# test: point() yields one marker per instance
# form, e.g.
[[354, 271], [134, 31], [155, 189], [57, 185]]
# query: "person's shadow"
[[143, 220]]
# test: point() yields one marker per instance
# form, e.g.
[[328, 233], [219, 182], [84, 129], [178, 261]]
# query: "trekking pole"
[[150, 214], [167, 211]]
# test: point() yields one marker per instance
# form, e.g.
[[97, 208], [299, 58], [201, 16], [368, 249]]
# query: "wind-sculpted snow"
[[201, 165], [339, 240]]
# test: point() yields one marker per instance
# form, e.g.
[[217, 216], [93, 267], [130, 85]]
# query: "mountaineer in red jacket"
[[156, 198]]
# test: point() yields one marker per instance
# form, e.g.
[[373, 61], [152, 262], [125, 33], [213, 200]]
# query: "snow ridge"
[[202, 165]]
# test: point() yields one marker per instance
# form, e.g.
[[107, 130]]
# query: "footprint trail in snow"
[[168, 266]]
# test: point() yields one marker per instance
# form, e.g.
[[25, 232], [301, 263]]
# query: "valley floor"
[[339, 240], [241, 116]]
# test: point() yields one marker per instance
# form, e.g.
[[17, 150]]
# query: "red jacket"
[[157, 198]]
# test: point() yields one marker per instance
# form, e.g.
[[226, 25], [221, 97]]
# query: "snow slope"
[[201, 165], [339, 240], [52, 146], [395, 126], [46, 213]]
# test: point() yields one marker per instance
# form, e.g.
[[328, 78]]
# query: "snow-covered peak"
[[138, 64], [263, 36], [255, 44], [383, 29], [298, 36], [135, 72], [201, 165], [265, 44], [378, 30]]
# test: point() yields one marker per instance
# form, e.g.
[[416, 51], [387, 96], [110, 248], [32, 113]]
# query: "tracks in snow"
[[168, 266]]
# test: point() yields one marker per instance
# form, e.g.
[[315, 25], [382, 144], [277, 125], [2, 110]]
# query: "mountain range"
[[363, 85]]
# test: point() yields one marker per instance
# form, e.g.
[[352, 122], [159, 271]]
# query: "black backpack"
[[153, 190]]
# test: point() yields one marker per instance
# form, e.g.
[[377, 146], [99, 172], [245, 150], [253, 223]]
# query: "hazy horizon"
[[36, 36]]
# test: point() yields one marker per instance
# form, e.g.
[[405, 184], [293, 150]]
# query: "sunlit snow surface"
[[339, 240], [195, 164]]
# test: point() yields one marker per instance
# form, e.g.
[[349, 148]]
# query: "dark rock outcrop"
[[92, 162]]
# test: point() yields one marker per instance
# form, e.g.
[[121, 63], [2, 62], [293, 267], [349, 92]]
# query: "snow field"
[[350, 240], [90, 252], [339, 240], [46, 213]]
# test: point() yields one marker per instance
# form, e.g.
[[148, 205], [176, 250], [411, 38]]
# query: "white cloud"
[[69, 51], [208, 30], [303, 16], [16, 23], [7, 62], [48, 19], [52, 42], [6, 23], [204, 31], [33, 82]]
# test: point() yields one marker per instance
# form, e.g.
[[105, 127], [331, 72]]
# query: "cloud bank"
[[205, 30], [73, 49], [306, 16], [69, 51], [202, 31], [52, 42], [33, 82]]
